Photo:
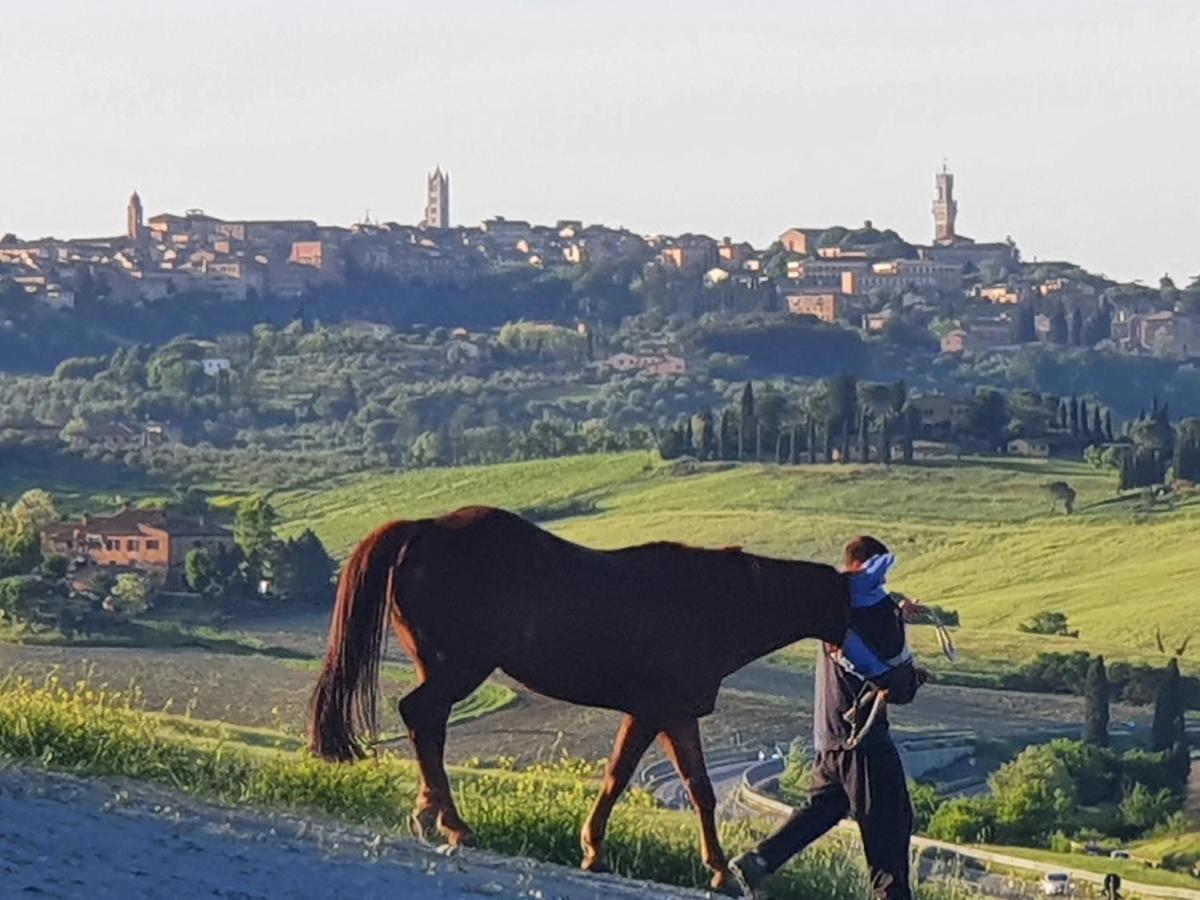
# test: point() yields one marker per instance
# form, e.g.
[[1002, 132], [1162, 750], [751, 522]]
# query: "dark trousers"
[[869, 784]]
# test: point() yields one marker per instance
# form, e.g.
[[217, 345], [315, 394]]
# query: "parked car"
[[1119, 854], [1056, 884]]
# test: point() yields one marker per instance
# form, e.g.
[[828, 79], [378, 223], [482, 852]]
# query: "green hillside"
[[979, 536]]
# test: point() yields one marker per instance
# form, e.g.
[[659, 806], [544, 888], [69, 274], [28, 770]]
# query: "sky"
[[1071, 125]]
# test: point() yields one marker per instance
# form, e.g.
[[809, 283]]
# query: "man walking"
[[864, 779]]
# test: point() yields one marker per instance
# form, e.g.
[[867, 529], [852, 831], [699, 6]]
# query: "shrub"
[[1143, 808], [1032, 794], [55, 566], [1095, 771], [925, 803], [1048, 622], [964, 820], [797, 773]]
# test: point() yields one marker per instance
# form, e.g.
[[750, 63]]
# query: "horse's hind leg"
[[681, 740], [426, 711], [632, 740]]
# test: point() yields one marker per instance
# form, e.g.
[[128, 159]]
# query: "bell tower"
[[134, 229], [437, 200], [945, 209]]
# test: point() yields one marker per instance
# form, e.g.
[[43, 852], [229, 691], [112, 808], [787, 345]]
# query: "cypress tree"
[[910, 428], [885, 441], [1062, 415], [792, 448], [1073, 411], [1059, 329], [864, 439], [1125, 471], [779, 448], [1095, 695], [1167, 728], [1076, 327], [812, 439], [758, 436], [828, 429], [1108, 429], [1084, 421], [746, 423]]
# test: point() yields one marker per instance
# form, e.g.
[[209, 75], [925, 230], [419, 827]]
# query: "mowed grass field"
[[981, 536]]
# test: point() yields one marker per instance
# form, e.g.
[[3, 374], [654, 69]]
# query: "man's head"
[[861, 549]]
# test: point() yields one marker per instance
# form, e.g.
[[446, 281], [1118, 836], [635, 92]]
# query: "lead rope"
[[878, 697]]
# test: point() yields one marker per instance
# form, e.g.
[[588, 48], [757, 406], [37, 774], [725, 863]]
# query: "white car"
[[1056, 884], [1119, 854]]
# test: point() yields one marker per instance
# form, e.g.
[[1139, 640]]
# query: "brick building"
[[147, 540]]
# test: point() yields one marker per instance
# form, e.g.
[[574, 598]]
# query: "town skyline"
[[1071, 123], [435, 214]]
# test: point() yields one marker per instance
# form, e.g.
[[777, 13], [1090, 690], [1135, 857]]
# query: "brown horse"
[[650, 631]]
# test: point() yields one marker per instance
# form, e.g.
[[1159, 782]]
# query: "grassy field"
[[534, 814], [979, 536]]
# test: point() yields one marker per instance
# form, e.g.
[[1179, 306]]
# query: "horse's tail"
[[343, 704]]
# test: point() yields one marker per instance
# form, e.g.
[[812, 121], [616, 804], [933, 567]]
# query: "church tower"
[[437, 200], [134, 229], [945, 209]]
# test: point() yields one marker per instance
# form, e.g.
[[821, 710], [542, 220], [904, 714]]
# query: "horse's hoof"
[[594, 864], [423, 825], [726, 884]]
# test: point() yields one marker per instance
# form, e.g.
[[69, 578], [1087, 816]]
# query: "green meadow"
[[980, 536]]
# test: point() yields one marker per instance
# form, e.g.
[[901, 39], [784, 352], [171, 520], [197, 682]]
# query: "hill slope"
[[979, 536]]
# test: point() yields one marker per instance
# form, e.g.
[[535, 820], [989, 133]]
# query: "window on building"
[[151, 545], [131, 544], [110, 544]]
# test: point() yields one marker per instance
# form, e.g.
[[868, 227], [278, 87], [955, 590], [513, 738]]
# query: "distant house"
[[361, 328], [1060, 445], [215, 366], [1037, 448], [801, 241], [146, 540], [823, 305], [660, 364], [118, 436], [978, 335], [941, 414], [876, 323], [1000, 294]]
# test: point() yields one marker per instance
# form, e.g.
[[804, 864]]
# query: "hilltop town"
[[864, 277]]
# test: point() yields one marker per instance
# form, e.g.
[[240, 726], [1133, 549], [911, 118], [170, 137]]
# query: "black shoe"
[[750, 870]]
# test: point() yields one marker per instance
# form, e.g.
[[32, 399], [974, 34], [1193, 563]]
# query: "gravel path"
[[62, 836]]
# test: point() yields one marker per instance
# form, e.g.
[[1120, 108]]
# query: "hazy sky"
[[1073, 125]]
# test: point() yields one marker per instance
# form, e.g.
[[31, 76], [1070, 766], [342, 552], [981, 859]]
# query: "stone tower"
[[133, 226], [437, 200], [133, 218], [945, 210]]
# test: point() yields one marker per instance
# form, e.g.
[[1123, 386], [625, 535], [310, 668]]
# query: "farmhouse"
[[146, 540]]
